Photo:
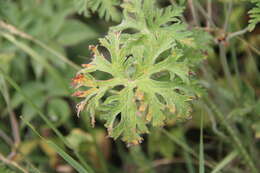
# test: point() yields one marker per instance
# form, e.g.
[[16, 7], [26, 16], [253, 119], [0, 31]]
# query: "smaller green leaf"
[[58, 111], [5, 60], [38, 68], [77, 137], [256, 127]]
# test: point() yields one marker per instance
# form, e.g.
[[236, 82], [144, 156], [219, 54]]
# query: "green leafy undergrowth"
[[150, 78], [254, 15], [5, 170], [45, 20], [107, 9]]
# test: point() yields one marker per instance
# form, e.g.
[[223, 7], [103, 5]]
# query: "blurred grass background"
[[43, 43]]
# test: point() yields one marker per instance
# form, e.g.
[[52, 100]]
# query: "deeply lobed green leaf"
[[151, 79]]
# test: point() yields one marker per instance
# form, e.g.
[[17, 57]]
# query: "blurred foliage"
[[42, 44], [254, 15], [5, 170], [107, 9]]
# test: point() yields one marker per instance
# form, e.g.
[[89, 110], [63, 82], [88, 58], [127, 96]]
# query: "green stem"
[[184, 146], [201, 155], [204, 13], [233, 135], [237, 33], [229, 158], [228, 13], [224, 63], [57, 54], [12, 116]]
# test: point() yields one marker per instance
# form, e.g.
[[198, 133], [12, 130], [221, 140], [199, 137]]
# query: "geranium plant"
[[151, 78]]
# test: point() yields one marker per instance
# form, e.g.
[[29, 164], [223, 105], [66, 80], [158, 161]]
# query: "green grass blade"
[[188, 162], [225, 162], [185, 147], [67, 157], [100, 155], [44, 118], [28, 100], [182, 144], [60, 151], [14, 31], [201, 156], [57, 54]]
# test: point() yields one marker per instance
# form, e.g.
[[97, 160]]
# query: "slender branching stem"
[[209, 8], [253, 48], [6, 138], [12, 116], [185, 147], [228, 13], [12, 163], [224, 63], [204, 13], [193, 12], [214, 123], [237, 33]]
